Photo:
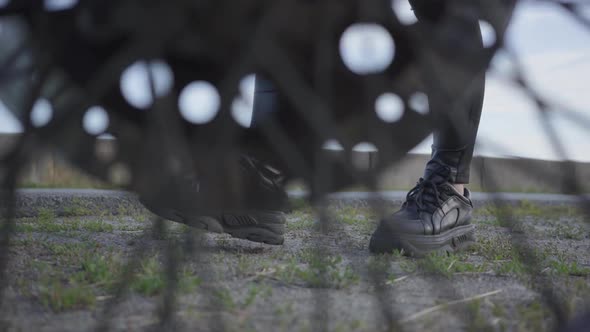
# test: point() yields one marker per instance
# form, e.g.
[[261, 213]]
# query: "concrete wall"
[[487, 174], [498, 174], [48, 169]]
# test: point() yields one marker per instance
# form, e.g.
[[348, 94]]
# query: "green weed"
[[54, 295], [447, 264], [149, 280]]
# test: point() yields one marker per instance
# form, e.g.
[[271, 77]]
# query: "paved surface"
[[65, 202], [64, 270]]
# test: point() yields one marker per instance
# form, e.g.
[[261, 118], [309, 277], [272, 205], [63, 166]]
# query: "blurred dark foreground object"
[[82, 52]]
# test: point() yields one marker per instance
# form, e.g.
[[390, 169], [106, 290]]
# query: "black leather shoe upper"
[[263, 186], [256, 186], [433, 206]]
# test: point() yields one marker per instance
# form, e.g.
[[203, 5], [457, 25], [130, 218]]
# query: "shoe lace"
[[426, 195], [266, 174], [427, 192]]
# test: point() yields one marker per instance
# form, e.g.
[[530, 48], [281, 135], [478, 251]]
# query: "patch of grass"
[[298, 221], [495, 248], [520, 226], [140, 217], [87, 269], [572, 269], [99, 270], [220, 241], [46, 216], [60, 227], [69, 253], [408, 265], [24, 227], [487, 220], [380, 264], [477, 319], [255, 291], [354, 325], [497, 213], [97, 226], [511, 266], [149, 280], [569, 232], [551, 256], [227, 301], [129, 228], [447, 264], [23, 287], [74, 211], [307, 255], [326, 271], [244, 265], [25, 241], [532, 317], [527, 208], [77, 209], [189, 281], [284, 309], [352, 215], [39, 267], [506, 216], [47, 222], [299, 204], [180, 228], [58, 297], [361, 218], [582, 287], [500, 314], [287, 272], [320, 271], [391, 264], [124, 210], [436, 264]]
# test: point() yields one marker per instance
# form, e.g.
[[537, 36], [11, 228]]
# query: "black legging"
[[454, 135]]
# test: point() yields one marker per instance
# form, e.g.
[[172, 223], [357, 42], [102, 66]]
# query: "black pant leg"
[[455, 134]]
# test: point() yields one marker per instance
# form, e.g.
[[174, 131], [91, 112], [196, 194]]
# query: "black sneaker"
[[434, 218], [259, 217]]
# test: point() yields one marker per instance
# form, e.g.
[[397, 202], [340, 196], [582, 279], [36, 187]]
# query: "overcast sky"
[[555, 52]]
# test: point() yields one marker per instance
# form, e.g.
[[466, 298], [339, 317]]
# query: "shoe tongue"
[[437, 172]]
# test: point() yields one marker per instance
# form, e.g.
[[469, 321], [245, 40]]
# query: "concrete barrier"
[[499, 174], [487, 174], [49, 169]]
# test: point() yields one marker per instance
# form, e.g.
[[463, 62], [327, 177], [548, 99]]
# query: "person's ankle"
[[460, 188]]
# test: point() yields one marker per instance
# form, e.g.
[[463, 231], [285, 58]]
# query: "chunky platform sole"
[[258, 226], [459, 238]]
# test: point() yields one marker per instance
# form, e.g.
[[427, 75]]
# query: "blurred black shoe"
[[434, 218], [258, 216]]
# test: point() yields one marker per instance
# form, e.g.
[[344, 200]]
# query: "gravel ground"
[[65, 273]]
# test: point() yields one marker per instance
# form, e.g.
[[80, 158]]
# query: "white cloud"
[[504, 96], [542, 26], [561, 77], [555, 54]]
